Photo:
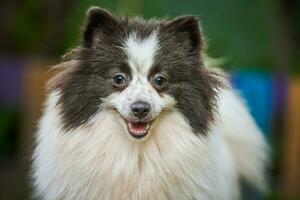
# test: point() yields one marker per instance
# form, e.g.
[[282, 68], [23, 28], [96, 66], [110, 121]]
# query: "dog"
[[137, 113]]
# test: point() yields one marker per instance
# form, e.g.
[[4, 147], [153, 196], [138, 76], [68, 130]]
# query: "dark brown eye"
[[119, 80], [160, 81]]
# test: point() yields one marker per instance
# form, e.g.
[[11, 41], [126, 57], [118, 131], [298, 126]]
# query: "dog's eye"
[[119, 80], [159, 81]]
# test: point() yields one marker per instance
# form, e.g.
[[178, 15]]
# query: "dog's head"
[[140, 70]]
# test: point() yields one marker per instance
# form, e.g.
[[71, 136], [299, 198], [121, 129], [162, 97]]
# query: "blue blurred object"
[[257, 88]]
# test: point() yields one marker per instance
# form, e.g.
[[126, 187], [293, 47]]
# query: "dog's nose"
[[140, 109]]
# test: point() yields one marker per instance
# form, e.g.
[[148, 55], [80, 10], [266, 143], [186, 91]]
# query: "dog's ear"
[[189, 28], [99, 21]]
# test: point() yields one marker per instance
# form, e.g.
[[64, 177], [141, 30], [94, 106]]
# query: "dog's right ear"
[[99, 21]]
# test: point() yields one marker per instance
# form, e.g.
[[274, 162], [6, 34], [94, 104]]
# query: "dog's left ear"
[[99, 22], [189, 28]]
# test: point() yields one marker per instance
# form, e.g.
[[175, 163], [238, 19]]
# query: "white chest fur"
[[102, 162]]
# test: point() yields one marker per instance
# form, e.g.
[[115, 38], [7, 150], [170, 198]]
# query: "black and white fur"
[[201, 141]]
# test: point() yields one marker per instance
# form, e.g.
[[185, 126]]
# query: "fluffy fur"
[[202, 139]]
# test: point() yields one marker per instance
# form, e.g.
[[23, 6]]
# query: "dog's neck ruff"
[[101, 161]]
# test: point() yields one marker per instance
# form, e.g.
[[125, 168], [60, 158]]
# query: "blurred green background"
[[258, 42], [248, 33]]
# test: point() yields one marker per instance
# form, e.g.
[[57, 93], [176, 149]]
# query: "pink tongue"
[[137, 127]]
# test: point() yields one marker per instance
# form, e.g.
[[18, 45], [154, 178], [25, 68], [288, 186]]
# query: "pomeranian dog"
[[137, 114]]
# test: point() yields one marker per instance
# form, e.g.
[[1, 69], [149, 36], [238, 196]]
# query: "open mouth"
[[138, 129]]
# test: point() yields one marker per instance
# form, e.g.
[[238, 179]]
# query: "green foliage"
[[244, 32], [27, 30], [9, 126]]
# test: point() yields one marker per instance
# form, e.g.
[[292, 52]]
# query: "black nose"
[[140, 109]]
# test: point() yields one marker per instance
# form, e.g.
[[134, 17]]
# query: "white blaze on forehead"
[[141, 52]]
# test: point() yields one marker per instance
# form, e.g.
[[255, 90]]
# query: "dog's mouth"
[[138, 129]]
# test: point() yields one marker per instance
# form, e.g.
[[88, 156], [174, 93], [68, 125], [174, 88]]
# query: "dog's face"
[[140, 71]]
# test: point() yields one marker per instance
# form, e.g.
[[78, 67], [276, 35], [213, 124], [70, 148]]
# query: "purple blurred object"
[[11, 81], [281, 92]]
